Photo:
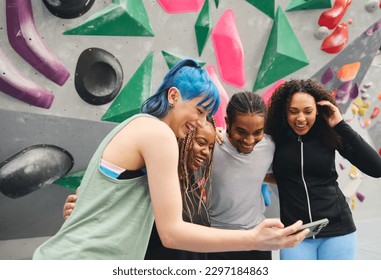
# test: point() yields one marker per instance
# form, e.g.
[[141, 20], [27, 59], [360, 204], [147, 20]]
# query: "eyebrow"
[[296, 108]]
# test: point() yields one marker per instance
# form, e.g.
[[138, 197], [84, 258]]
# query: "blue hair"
[[191, 81]]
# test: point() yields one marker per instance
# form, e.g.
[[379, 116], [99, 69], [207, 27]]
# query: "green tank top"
[[112, 218]]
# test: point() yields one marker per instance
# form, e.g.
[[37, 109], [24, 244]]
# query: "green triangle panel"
[[266, 6], [172, 59], [129, 19], [132, 96], [203, 27], [217, 2], [297, 5], [71, 181], [283, 54]]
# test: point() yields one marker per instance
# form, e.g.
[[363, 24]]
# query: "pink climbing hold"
[[224, 98], [183, 6], [267, 95], [229, 50]]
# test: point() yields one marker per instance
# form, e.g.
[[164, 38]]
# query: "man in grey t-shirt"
[[240, 166]]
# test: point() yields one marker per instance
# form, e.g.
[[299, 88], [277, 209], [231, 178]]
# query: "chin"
[[181, 134], [298, 132]]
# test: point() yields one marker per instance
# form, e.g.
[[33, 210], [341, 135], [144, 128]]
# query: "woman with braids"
[[132, 179], [196, 156], [308, 129]]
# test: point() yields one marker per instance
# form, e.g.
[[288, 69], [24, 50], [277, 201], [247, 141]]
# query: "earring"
[[171, 105]]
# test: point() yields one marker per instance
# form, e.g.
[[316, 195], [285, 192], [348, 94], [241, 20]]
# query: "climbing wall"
[[70, 72]]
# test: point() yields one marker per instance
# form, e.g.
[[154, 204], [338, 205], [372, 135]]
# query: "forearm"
[[268, 235], [358, 151], [182, 237], [270, 178]]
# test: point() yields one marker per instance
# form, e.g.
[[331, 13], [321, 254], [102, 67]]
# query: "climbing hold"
[[229, 50], [348, 71], [335, 42], [321, 33], [332, 17]]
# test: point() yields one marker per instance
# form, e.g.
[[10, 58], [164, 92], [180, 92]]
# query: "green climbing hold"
[[71, 181], [132, 96], [283, 54], [297, 5], [203, 27], [121, 18], [172, 59], [267, 6]]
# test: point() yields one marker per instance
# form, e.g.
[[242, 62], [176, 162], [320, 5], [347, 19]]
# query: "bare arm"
[[160, 154], [270, 178], [161, 162]]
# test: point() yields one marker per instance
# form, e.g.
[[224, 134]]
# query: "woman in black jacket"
[[308, 129]]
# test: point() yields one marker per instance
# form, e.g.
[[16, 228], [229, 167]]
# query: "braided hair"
[[193, 183], [245, 102]]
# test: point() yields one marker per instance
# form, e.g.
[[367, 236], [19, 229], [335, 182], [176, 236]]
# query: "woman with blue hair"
[[133, 179]]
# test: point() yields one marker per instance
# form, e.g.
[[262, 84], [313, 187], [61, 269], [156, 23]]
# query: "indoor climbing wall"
[[70, 72]]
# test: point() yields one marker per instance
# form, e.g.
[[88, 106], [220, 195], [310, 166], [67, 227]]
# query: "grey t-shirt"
[[236, 201]]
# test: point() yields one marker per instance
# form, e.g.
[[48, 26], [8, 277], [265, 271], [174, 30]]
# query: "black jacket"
[[305, 171]]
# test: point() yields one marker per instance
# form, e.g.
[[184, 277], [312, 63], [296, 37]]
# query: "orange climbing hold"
[[348, 71]]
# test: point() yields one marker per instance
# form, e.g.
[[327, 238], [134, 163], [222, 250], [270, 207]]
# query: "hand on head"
[[335, 117]]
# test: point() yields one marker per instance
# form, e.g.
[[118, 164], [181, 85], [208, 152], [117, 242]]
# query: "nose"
[[300, 117], [206, 152], [249, 140]]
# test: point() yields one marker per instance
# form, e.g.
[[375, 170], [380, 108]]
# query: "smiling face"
[[203, 144], [246, 131], [301, 112], [185, 115]]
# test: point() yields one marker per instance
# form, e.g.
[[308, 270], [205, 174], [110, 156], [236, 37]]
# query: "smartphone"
[[315, 227]]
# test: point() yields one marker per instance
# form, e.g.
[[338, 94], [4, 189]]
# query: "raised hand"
[[335, 117]]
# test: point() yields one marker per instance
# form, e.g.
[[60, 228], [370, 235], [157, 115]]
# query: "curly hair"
[[276, 124], [193, 184]]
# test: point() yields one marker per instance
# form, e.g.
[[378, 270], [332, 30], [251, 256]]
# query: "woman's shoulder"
[[148, 126]]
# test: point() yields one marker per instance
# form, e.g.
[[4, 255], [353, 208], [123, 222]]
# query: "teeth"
[[200, 160], [191, 127], [300, 126]]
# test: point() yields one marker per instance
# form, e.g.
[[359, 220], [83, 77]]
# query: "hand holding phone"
[[315, 227]]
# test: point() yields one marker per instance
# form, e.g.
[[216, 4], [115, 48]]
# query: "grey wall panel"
[[40, 212]]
